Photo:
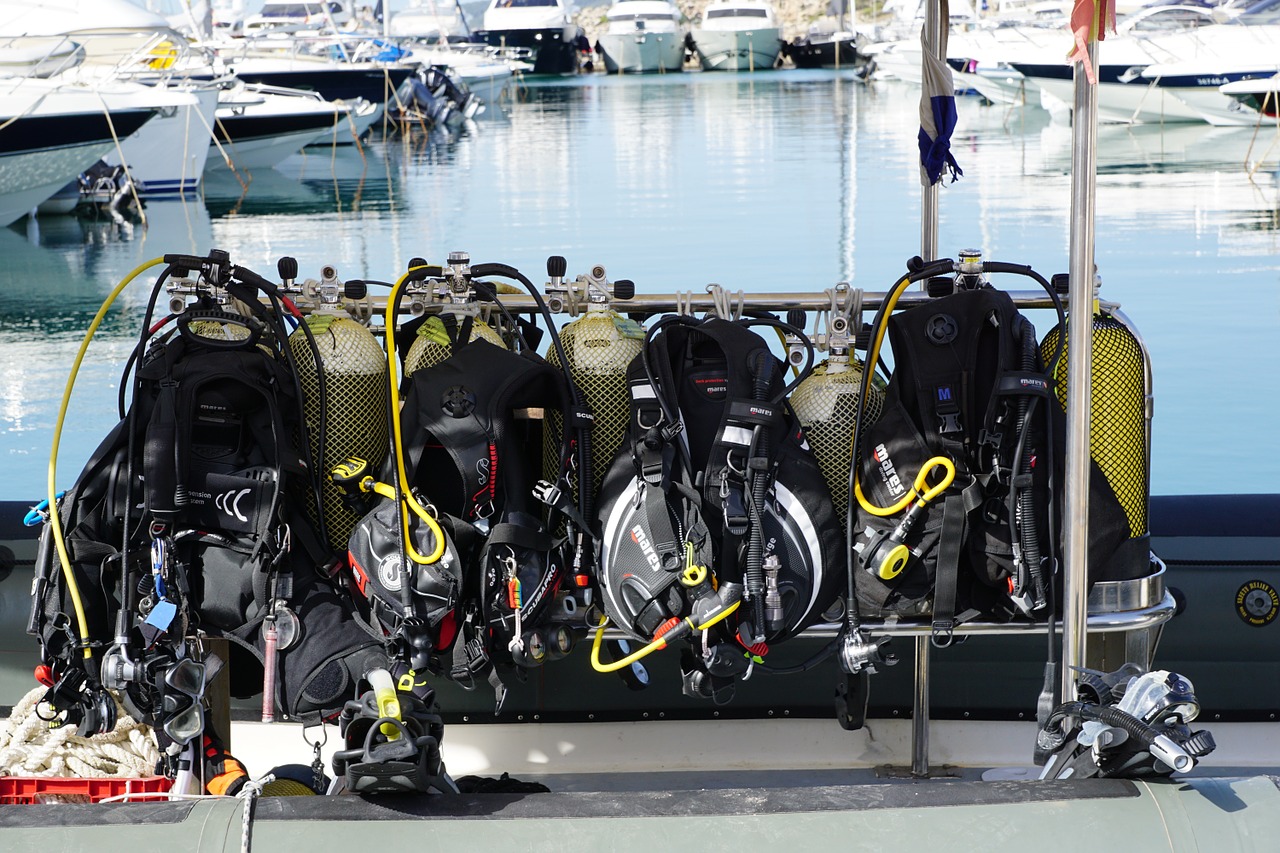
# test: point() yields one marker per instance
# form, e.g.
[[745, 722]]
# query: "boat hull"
[[168, 155], [551, 50], [41, 154], [999, 86], [1119, 102], [643, 52], [1220, 814], [333, 83], [737, 50], [255, 141], [820, 52]]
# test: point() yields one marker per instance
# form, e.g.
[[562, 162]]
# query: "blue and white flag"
[[937, 110]]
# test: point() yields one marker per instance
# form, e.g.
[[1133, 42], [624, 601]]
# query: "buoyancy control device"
[[958, 489], [189, 519], [716, 526], [490, 598], [952, 489]]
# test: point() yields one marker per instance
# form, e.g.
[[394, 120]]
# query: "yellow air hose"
[[917, 489], [73, 589], [406, 494], [658, 642]]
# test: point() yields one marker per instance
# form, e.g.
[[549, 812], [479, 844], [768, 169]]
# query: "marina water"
[[772, 181]]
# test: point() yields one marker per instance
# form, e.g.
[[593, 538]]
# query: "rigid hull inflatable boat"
[[711, 513]]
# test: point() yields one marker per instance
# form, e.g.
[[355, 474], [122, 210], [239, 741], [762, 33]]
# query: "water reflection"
[[768, 181], [317, 181]]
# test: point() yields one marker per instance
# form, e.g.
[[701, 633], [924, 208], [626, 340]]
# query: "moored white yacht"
[[1259, 97], [643, 37], [50, 132], [1124, 95], [258, 126], [738, 35], [293, 15], [429, 21], [542, 31], [280, 62], [97, 43]]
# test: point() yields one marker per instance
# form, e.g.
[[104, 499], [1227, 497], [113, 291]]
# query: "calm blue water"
[[784, 181]]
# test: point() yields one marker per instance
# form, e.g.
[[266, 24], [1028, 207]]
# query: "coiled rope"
[[28, 747]]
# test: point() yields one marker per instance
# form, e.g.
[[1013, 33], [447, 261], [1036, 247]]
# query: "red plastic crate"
[[45, 789]]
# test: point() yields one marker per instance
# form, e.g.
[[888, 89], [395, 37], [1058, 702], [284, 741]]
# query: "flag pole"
[[933, 51], [932, 42], [1084, 143]]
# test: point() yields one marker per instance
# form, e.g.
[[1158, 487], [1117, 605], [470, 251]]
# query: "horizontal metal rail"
[[1099, 623], [702, 302]]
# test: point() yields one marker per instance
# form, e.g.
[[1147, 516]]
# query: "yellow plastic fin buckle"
[[384, 693]]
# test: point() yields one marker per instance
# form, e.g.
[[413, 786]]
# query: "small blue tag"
[[161, 616]]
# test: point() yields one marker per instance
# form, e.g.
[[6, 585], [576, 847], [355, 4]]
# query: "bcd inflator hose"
[[73, 589], [405, 494]]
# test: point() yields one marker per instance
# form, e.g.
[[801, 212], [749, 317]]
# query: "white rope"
[[28, 747], [250, 793]]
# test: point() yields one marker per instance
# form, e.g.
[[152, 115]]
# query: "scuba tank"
[[599, 345], [826, 403], [352, 413], [1119, 427], [436, 334]]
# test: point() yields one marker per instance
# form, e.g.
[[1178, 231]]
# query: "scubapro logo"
[[229, 503], [389, 572]]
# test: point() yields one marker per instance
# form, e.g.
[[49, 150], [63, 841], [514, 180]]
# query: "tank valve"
[[287, 267], [556, 291], [329, 288], [969, 270], [458, 272]]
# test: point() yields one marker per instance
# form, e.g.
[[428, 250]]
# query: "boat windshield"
[[650, 16], [522, 4], [1170, 19], [736, 13], [1265, 12], [299, 10]]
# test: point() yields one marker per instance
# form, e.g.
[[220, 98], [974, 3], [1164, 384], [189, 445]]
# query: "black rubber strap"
[[662, 533], [160, 453], [947, 576], [520, 536]]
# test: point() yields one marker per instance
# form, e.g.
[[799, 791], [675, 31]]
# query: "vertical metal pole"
[[920, 711], [928, 251], [1084, 141]]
